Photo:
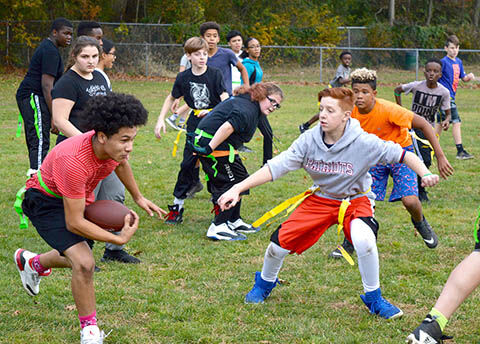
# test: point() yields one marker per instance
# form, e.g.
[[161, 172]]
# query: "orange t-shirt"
[[388, 121]]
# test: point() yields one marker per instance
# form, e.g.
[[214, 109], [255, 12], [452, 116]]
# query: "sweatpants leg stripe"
[[39, 131]]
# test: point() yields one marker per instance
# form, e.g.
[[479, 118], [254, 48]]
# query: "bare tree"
[[391, 12], [430, 12], [476, 13]]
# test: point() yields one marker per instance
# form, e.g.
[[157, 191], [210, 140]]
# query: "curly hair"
[[109, 113], [364, 76], [259, 91], [345, 96], [211, 25]]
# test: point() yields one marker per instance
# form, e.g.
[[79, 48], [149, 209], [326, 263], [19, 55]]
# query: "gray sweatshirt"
[[340, 171]]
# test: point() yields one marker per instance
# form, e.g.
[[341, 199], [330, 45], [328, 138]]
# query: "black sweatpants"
[[37, 122], [188, 176]]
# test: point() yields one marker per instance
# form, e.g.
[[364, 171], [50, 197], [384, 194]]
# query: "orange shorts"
[[314, 216]]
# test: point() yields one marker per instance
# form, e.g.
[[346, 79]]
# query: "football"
[[107, 214]]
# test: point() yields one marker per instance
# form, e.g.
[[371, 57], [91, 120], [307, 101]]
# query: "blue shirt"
[[452, 72], [223, 60], [253, 66]]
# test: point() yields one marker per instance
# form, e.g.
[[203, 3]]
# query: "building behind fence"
[[152, 50]]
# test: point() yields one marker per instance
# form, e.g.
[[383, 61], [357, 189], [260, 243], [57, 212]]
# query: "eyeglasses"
[[274, 103]]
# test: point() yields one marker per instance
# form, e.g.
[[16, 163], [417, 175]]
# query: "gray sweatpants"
[[111, 188]]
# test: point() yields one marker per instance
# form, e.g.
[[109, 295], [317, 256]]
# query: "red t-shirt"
[[72, 170], [388, 121]]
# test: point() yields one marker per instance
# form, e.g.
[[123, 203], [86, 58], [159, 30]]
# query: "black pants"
[[222, 174], [267, 132], [188, 176], [35, 115]]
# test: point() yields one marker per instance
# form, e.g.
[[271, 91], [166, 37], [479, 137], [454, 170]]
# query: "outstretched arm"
[[444, 166], [414, 162], [230, 198]]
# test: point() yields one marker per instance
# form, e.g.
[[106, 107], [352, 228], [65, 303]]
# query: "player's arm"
[[231, 197], [243, 71], [181, 68], [446, 123], [125, 174], [47, 86], [61, 108], [160, 126], [444, 166], [413, 161], [397, 92], [76, 223]]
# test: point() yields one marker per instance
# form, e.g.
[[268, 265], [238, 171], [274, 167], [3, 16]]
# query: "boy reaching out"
[[428, 97], [329, 153], [391, 122]]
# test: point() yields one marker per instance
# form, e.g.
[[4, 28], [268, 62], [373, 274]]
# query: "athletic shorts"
[[314, 216], [47, 214], [454, 112], [404, 180]]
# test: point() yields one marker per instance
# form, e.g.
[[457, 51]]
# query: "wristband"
[[395, 93], [427, 174]]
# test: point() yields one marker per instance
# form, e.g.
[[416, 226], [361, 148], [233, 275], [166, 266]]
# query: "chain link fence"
[[151, 50]]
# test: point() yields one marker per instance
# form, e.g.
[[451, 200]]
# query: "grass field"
[[190, 290]]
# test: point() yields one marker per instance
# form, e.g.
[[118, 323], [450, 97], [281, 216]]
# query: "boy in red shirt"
[[56, 197]]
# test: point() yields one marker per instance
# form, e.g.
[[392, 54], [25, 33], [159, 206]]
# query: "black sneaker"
[[119, 256], [175, 215], [464, 155], [303, 127], [428, 332], [427, 233], [423, 196], [346, 245], [244, 149], [194, 189]]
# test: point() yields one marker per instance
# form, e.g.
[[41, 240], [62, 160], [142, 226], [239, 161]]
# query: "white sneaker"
[[31, 172], [30, 277], [240, 226], [223, 232], [91, 335]]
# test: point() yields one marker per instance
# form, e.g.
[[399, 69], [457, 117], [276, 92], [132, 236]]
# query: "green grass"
[[190, 290]]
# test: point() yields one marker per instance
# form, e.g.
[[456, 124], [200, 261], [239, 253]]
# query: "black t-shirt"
[[73, 87], [199, 91], [45, 60], [242, 113]]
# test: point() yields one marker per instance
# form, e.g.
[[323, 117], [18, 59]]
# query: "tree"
[[391, 12], [476, 13]]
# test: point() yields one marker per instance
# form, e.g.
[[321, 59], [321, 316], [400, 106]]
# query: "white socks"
[[274, 256], [365, 245]]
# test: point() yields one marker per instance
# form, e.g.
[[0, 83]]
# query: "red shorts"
[[314, 216]]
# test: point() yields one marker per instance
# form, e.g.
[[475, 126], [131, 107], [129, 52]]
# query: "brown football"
[[107, 214]]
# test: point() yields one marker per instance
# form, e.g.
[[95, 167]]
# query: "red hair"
[[259, 91], [345, 96]]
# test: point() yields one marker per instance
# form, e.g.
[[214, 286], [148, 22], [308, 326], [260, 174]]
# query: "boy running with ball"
[[56, 197], [341, 194]]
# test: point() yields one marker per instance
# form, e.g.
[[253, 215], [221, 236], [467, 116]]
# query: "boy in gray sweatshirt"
[[330, 154]]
